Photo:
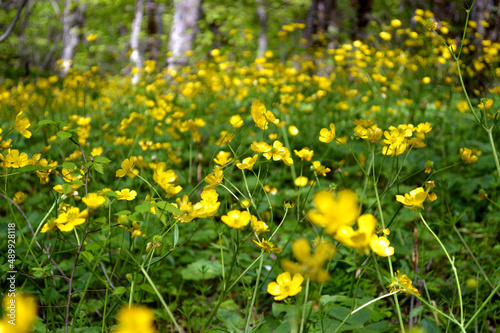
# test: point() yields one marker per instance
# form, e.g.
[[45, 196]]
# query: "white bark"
[[262, 14], [184, 30], [73, 22], [135, 55]]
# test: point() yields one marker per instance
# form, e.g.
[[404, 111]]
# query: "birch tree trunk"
[[73, 23], [184, 30], [154, 25], [262, 14], [135, 56]]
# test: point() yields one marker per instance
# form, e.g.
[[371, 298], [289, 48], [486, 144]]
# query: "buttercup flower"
[[414, 199], [223, 158], [258, 226], [214, 179], [135, 319], [401, 283], [236, 219], [466, 156], [326, 135], [68, 220], [285, 286], [25, 313], [332, 212], [93, 201], [380, 245], [247, 163], [358, 239], [127, 168], [126, 194], [22, 124], [267, 247]]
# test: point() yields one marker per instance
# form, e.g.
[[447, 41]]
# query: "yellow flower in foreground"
[[22, 125], [326, 135], [24, 312], [332, 212], [135, 319], [15, 160], [358, 239], [285, 286], [223, 158], [402, 283], [414, 199], [466, 156], [93, 200], [308, 264], [127, 167], [236, 219], [380, 245], [126, 194], [68, 220]]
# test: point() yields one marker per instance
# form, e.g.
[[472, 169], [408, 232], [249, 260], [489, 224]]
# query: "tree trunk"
[[11, 26], [73, 23], [320, 18], [262, 14], [184, 30], [364, 7], [153, 43], [135, 56]]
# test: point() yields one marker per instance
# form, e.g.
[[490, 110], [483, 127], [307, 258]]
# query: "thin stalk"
[[486, 301], [255, 291], [452, 266], [303, 319], [493, 150]]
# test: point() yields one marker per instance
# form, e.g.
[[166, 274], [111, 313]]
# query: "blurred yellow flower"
[[93, 200], [267, 247], [236, 219], [247, 163], [285, 286], [20, 309], [466, 156], [22, 124], [214, 179], [360, 238], [127, 167], [305, 153], [126, 194], [333, 212], [326, 135], [402, 283], [135, 319], [223, 158], [19, 197], [380, 245]]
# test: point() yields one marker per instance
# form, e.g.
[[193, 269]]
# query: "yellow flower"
[[93, 201], [236, 121], [223, 158], [15, 160], [293, 130], [332, 212], [321, 170], [466, 156], [429, 165], [267, 247], [385, 35], [247, 163], [305, 153], [402, 283], [414, 199], [380, 245], [326, 135], [91, 37], [236, 219], [301, 181], [135, 319], [261, 116], [68, 220], [166, 179], [214, 179], [209, 204], [25, 313], [259, 226], [285, 286], [308, 264], [358, 239], [22, 125], [126, 194], [127, 167], [19, 197]]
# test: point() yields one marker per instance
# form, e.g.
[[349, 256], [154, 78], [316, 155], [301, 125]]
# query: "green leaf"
[[202, 270], [176, 234], [68, 165], [101, 219], [89, 256], [416, 311], [92, 246], [142, 208], [101, 159], [99, 168], [67, 188], [123, 212], [119, 290], [64, 135], [169, 207], [146, 287]]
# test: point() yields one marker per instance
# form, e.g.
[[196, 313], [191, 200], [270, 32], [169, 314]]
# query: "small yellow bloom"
[[321, 170], [22, 124], [293, 130], [247, 163], [127, 168], [236, 219], [305, 153], [358, 239], [426, 80], [332, 212], [301, 181], [15, 159], [259, 226], [466, 156], [326, 135], [236, 121], [91, 37], [385, 35], [214, 179], [19, 197], [126, 194], [285, 286], [267, 247], [223, 158], [414, 199], [402, 283], [68, 220], [93, 200]]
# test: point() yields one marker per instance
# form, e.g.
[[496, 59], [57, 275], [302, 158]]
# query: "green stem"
[[486, 301], [255, 291], [493, 150], [452, 266], [372, 301], [303, 319]]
